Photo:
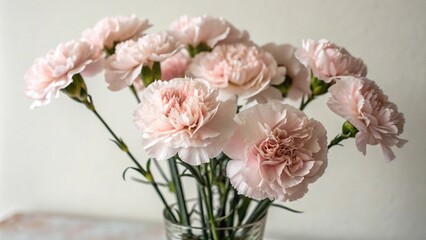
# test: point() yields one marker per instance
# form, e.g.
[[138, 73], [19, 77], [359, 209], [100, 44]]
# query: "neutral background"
[[58, 158]]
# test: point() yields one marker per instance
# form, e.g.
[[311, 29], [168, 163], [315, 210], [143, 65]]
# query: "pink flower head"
[[183, 116], [112, 30], [297, 72], [54, 72], [363, 104], [122, 68], [329, 61], [175, 66], [206, 29], [237, 69], [275, 151]]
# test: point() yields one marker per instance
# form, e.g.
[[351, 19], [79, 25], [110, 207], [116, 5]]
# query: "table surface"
[[43, 226], [39, 226]]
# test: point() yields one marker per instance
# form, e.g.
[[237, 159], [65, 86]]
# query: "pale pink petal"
[[184, 116], [175, 66], [238, 175], [282, 151], [361, 102], [124, 67], [206, 29], [237, 69], [53, 72], [328, 62], [285, 56], [112, 30]]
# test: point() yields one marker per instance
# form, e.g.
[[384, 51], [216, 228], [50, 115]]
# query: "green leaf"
[[186, 175], [286, 208], [121, 145], [142, 181], [148, 182], [179, 215], [148, 165], [180, 196], [225, 217], [131, 168], [222, 157], [242, 209], [197, 176]]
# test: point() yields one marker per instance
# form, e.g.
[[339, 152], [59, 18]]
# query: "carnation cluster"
[[213, 104]]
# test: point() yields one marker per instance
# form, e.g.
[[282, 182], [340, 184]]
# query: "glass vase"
[[176, 231]]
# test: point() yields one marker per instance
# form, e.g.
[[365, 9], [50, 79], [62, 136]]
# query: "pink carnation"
[[237, 69], [329, 61], [275, 151], [175, 66], [112, 30], [363, 104], [53, 72], [183, 116], [206, 29], [299, 74], [124, 67]]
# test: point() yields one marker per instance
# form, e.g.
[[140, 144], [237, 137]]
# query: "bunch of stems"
[[219, 205]]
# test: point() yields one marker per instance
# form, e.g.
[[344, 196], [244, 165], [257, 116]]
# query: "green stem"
[[201, 206], [155, 185], [337, 140], [135, 93], [224, 197], [242, 209], [210, 212], [163, 175], [303, 104], [180, 197], [232, 207], [122, 145], [209, 182], [259, 211], [119, 141], [232, 211]]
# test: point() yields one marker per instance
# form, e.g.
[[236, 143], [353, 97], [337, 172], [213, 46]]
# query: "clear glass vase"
[[175, 231]]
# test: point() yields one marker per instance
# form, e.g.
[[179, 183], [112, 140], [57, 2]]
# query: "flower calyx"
[[77, 90], [318, 86], [202, 47], [348, 131], [149, 75], [285, 86]]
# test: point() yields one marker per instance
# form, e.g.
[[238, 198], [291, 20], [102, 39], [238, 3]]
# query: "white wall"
[[58, 158]]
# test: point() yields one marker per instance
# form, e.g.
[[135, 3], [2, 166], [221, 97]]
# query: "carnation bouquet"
[[213, 104]]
